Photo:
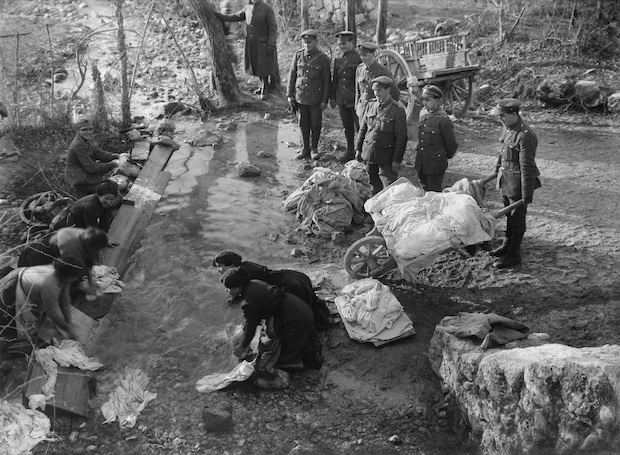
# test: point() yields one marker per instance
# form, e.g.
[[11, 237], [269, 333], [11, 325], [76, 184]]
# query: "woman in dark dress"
[[292, 281], [288, 320]]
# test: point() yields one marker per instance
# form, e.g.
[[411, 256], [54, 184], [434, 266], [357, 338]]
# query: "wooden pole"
[[380, 36], [49, 39]]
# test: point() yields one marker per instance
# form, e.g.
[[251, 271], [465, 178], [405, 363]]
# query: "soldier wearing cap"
[[343, 90], [365, 73], [308, 92], [517, 177], [436, 141], [87, 164], [261, 58], [382, 138]]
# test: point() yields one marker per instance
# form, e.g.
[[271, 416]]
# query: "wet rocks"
[[204, 138], [217, 416], [247, 170]]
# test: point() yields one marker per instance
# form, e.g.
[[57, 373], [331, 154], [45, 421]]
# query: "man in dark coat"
[[517, 177], [343, 90], [436, 141], [382, 138], [260, 41], [308, 92], [88, 164]]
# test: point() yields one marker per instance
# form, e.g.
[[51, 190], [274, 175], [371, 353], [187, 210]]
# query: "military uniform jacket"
[[436, 143], [383, 134], [363, 87], [310, 77], [517, 170], [343, 81]]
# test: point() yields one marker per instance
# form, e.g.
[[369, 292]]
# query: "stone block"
[[217, 416]]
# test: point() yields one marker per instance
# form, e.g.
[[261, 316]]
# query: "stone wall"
[[336, 10], [545, 398]]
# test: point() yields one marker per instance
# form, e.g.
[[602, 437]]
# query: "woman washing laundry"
[[289, 326], [297, 283]]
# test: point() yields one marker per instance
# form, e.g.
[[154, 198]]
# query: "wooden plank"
[[70, 393]]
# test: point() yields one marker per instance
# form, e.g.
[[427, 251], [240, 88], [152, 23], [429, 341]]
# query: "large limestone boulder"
[[529, 397], [588, 93]]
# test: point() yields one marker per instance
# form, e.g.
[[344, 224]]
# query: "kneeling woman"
[[289, 320]]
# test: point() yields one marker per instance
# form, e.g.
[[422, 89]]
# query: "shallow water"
[[173, 303]]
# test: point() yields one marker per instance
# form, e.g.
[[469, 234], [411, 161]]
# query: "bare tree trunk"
[[305, 15], [380, 36], [225, 80], [349, 20], [122, 51], [100, 114]]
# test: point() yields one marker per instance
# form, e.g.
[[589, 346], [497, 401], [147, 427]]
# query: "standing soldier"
[[436, 141], [382, 137], [343, 90], [365, 73], [260, 41], [517, 177], [308, 92]]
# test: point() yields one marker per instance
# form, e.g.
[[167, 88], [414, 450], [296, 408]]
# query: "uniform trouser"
[[515, 226], [351, 125], [310, 123], [431, 182], [381, 176]]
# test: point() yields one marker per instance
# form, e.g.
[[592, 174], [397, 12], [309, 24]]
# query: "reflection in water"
[[174, 301]]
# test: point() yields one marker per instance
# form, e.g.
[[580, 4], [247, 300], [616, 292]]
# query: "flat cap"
[[382, 80], [84, 122], [345, 33], [368, 46], [506, 106], [432, 90], [309, 32]]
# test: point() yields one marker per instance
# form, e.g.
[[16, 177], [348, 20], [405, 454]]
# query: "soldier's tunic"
[[363, 88], [343, 93], [382, 140]]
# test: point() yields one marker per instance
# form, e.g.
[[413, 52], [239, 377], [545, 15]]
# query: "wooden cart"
[[442, 61]]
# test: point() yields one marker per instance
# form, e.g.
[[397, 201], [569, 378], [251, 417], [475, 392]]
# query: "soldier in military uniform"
[[365, 73], [343, 90], [436, 141], [308, 92], [382, 138], [517, 177]]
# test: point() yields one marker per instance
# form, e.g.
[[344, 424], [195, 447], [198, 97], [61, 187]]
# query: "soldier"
[[308, 92], [382, 137], [517, 177], [436, 141], [365, 73], [343, 90]]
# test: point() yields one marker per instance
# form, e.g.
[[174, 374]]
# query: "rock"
[[281, 381], [230, 125], [296, 252], [8, 150], [555, 91], [588, 93], [247, 170], [396, 440], [549, 398], [167, 141], [360, 18], [175, 107], [263, 154], [613, 102], [338, 238], [134, 135], [267, 116], [165, 127], [217, 417], [204, 138]]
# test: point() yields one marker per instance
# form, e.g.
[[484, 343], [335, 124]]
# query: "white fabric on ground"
[[128, 399], [21, 429], [108, 279], [218, 381], [369, 311]]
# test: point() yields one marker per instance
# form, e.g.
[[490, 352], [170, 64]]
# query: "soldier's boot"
[[513, 257], [304, 153], [264, 89], [505, 246], [349, 154], [314, 152]]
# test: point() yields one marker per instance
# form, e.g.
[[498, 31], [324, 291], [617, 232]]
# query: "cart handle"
[[507, 209], [488, 178]]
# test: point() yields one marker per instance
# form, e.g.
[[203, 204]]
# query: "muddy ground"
[[568, 287]]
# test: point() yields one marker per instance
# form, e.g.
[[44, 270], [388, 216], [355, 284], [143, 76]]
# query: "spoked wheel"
[[457, 95], [368, 257], [401, 74]]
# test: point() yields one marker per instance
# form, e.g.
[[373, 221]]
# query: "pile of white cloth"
[[108, 279], [21, 429], [331, 201], [371, 313], [128, 399], [418, 227], [219, 381]]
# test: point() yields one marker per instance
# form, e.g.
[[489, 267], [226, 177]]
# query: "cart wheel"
[[367, 255], [401, 74], [457, 95]]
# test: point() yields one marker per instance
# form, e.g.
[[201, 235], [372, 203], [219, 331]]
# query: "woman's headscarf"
[[235, 278], [227, 258]]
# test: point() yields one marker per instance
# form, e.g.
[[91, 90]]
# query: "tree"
[[305, 15], [122, 51], [380, 35], [349, 21], [225, 80]]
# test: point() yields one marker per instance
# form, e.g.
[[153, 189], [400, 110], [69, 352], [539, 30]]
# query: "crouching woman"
[[292, 338]]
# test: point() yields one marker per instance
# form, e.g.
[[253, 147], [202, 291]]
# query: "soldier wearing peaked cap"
[[382, 138], [517, 177], [308, 92], [343, 90], [365, 73], [436, 141]]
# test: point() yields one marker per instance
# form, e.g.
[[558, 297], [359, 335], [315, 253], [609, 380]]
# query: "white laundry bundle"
[[108, 279], [128, 399], [21, 429], [218, 381]]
